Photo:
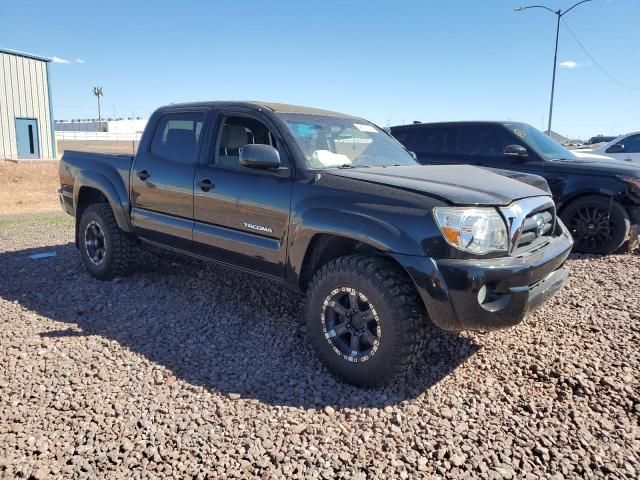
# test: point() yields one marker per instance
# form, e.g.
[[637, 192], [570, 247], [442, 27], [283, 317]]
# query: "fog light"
[[492, 301]]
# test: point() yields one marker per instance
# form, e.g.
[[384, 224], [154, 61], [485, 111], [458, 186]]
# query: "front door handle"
[[143, 175], [205, 185]]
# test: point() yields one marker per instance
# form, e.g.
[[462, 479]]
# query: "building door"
[[27, 138]]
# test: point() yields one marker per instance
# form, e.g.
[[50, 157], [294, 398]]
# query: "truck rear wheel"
[[105, 250], [365, 319]]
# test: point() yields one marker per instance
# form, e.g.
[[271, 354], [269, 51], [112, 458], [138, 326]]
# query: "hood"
[[456, 184], [595, 165], [587, 154], [528, 178]]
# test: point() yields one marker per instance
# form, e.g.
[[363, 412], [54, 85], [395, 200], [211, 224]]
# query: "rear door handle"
[[205, 185], [143, 175]]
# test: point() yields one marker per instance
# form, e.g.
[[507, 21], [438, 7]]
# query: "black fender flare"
[[115, 193], [356, 226]]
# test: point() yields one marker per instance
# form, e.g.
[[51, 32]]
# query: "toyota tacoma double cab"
[[333, 207]]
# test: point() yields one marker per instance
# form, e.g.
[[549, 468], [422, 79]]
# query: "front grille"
[[535, 226], [531, 221]]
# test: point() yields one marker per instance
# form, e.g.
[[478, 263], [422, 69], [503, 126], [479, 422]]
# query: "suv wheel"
[[598, 224], [365, 319], [106, 251]]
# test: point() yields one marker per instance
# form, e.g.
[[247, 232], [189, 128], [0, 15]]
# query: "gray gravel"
[[190, 370]]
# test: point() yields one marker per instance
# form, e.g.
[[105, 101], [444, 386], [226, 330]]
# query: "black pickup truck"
[[334, 207], [598, 198]]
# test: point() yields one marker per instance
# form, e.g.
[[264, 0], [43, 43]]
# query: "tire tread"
[[123, 246], [400, 292]]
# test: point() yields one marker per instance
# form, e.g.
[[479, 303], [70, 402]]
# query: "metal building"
[[26, 117]]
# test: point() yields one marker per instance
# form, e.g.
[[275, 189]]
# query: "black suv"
[[598, 199]]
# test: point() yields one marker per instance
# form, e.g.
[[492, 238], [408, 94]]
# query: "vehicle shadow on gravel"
[[209, 326]]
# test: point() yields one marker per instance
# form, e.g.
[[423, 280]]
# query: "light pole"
[[97, 91], [559, 14]]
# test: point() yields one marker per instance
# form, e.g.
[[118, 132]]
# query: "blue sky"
[[390, 62]]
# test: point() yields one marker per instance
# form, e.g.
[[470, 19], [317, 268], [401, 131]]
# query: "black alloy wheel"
[[351, 324], [94, 243], [598, 224]]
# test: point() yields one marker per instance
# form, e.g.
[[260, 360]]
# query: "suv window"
[[235, 133], [484, 140], [432, 140], [177, 136]]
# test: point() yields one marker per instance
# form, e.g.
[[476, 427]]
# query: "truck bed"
[[115, 167]]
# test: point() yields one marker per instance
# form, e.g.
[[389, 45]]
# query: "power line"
[[595, 62]]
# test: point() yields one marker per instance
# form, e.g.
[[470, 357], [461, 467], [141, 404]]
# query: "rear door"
[[162, 179], [242, 214]]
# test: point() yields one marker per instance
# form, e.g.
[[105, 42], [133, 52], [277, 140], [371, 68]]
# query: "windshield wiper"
[[348, 165]]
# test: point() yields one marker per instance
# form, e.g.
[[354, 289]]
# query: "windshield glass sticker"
[[365, 128], [519, 132], [306, 130]]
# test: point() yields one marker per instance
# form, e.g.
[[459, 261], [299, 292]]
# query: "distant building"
[[557, 137], [118, 125], [26, 118]]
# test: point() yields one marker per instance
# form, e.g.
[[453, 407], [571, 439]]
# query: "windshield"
[[331, 142], [543, 144]]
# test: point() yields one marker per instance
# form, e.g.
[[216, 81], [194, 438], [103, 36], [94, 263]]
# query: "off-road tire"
[[619, 224], [119, 247], [402, 318]]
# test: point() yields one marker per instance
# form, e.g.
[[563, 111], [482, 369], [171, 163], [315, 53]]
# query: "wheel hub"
[[591, 227], [94, 241], [351, 324], [357, 321]]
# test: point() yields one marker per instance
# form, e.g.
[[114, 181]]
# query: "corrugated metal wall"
[[24, 92]]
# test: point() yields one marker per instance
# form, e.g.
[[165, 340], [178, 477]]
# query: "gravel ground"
[[186, 370]]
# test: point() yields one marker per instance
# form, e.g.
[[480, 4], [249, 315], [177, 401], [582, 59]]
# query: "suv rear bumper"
[[492, 293]]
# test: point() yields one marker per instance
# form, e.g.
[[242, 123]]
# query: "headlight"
[[475, 230]]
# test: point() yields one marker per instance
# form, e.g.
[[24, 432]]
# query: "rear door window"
[[484, 140], [432, 140], [177, 136]]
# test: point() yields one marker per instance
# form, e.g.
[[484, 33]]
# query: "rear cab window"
[[177, 137]]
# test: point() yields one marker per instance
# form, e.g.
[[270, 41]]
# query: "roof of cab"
[[461, 122], [275, 107]]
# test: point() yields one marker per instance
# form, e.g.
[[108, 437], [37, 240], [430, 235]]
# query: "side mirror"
[[615, 148], [262, 157], [515, 151], [413, 154]]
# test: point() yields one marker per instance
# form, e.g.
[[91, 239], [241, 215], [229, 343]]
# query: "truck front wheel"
[[365, 319], [106, 251]]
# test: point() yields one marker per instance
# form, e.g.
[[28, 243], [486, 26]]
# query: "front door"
[[27, 138], [162, 180], [483, 145], [241, 214]]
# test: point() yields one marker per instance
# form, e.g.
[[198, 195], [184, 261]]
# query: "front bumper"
[[492, 293]]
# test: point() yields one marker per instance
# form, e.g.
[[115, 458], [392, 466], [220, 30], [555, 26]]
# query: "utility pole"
[[97, 91], [559, 14]]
